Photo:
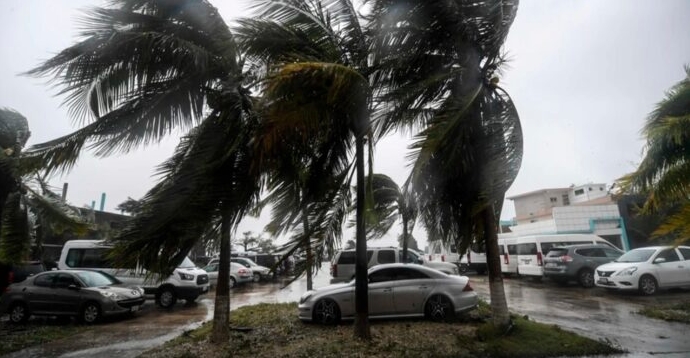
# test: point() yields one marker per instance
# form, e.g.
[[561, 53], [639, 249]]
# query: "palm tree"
[[662, 176], [315, 55], [143, 69], [29, 210], [388, 204], [437, 62]]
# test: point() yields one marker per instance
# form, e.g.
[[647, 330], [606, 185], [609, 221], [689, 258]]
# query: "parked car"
[[87, 295], [259, 272], [577, 262], [238, 274], [647, 269], [16, 273], [343, 264], [395, 290]]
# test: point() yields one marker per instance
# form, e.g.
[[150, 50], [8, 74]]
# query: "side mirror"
[[659, 260]]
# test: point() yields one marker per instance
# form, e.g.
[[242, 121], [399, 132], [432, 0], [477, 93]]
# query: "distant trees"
[[129, 206], [663, 176]]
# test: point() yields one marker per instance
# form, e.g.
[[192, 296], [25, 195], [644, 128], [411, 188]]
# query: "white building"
[[577, 209]]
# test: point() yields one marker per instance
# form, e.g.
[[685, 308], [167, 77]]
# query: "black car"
[[578, 262], [15, 273]]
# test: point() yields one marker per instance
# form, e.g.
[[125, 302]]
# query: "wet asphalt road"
[[593, 313]]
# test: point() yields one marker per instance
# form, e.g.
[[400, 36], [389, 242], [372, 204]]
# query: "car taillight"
[[467, 287], [334, 270], [506, 260], [443, 258], [469, 258], [241, 271], [431, 258], [10, 277], [539, 260], [566, 258]]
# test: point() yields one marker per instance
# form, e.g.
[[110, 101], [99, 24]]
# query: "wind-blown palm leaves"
[[316, 53], [28, 208], [436, 62], [142, 69], [663, 174]]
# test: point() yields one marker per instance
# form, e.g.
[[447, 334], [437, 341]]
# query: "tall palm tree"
[[663, 174], [141, 70], [436, 64], [315, 53], [29, 210]]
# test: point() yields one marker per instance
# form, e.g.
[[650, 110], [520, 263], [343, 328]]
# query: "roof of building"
[[539, 191]]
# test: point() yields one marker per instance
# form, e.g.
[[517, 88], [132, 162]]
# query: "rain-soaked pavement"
[[593, 313]]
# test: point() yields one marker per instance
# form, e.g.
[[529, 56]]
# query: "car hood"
[[130, 292], [260, 268], [617, 266], [332, 287]]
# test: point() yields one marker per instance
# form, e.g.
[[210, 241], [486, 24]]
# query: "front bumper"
[[629, 282], [191, 292], [110, 308]]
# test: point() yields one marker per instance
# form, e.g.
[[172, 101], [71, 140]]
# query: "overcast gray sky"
[[584, 75]]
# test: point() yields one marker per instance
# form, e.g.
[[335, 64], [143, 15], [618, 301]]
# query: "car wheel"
[[257, 277], [232, 283], [647, 285], [19, 313], [586, 278], [90, 313], [462, 269], [326, 311], [166, 297], [439, 308]]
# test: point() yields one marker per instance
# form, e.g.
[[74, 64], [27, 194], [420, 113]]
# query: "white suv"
[[343, 264]]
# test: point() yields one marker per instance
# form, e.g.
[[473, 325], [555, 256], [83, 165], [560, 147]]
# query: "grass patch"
[[17, 337], [276, 332], [679, 312]]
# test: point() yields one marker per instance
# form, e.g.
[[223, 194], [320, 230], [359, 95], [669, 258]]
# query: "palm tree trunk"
[[221, 313], [499, 306], [404, 243], [362, 330], [307, 246]]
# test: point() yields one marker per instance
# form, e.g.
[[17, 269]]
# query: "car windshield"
[[637, 255], [95, 279], [187, 263]]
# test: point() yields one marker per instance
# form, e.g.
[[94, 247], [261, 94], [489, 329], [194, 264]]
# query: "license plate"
[[603, 280], [134, 308]]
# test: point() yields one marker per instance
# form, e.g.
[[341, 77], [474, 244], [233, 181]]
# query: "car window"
[[597, 252], [64, 280], [669, 254], [612, 253], [501, 250], [346, 258], [45, 280], [384, 275], [96, 279], [411, 257], [527, 249], [241, 262], [211, 268], [386, 256], [406, 273], [560, 252], [93, 258], [586, 252], [685, 252], [512, 250]]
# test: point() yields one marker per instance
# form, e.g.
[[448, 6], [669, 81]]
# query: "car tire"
[[90, 313], [439, 308], [647, 285], [326, 311], [257, 277], [586, 278], [19, 313], [232, 282], [166, 297], [462, 269]]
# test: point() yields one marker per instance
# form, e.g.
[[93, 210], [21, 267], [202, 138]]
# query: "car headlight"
[[186, 276], [112, 295], [627, 272], [305, 297]]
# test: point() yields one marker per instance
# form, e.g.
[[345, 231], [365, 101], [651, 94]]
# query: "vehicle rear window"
[[386, 256], [512, 250], [557, 253], [348, 257], [91, 258], [527, 249]]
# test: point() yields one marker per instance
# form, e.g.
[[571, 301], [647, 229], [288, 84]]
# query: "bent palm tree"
[[143, 69], [316, 53], [663, 174], [437, 61]]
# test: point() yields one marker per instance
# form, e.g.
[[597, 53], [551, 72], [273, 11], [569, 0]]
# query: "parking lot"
[[595, 313]]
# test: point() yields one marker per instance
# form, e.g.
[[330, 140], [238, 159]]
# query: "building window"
[[566, 200], [579, 191], [590, 188], [554, 200], [601, 188]]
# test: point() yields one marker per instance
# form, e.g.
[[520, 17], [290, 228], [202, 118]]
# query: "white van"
[[473, 260], [507, 249], [532, 249], [187, 281]]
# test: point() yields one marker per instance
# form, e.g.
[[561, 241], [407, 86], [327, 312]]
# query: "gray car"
[[88, 295], [395, 290], [577, 262]]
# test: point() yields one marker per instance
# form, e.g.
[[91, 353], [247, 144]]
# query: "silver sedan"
[[395, 290]]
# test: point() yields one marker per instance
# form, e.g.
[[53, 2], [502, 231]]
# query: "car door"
[[410, 289], [66, 294], [39, 296], [381, 292], [685, 251], [672, 271]]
